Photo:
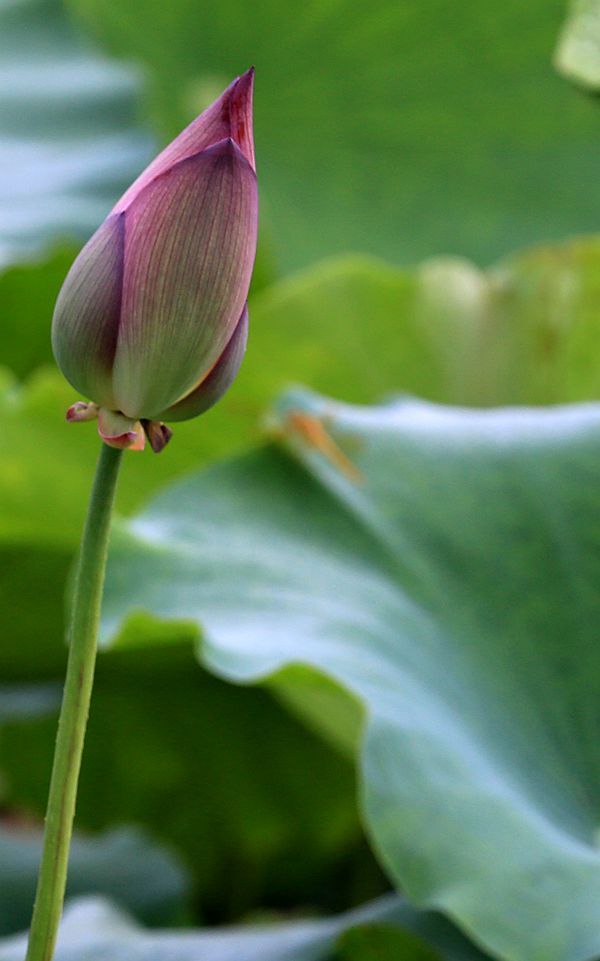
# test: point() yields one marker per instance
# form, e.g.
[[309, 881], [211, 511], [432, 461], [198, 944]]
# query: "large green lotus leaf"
[[443, 565], [578, 51], [45, 477], [193, 774], [69, 142], [389, 127], [93, 930], [123, 864]]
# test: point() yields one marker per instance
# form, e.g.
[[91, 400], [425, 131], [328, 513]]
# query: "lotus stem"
[[83, 632]]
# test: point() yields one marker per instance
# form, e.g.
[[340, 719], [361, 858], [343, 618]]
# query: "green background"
[[428, 187]]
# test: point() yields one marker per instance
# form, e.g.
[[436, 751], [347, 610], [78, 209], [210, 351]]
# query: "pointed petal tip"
[[237, 103], [239, 92], [245, 81], [230, 114]]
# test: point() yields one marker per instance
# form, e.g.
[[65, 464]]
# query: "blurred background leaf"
[[439, 149], [526, 331], [383, 942], [27, 295], [182, 753], [387, 128], [577, 55], [27, 700], [45, 462], [69, 139], [122, 864], [442, 564], [93, 930]]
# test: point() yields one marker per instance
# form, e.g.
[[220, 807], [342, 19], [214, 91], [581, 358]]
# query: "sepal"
[[157, 433], [119, 431], [81, 411]]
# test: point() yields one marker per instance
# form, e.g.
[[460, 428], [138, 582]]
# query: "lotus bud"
[[151, 321]]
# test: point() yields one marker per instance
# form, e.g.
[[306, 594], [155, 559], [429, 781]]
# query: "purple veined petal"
[[119, 431], [190, 242], [86, 317], [212, 387], [229, 117]]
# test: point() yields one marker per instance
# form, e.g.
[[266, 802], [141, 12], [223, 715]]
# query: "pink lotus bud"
[[151, 322]]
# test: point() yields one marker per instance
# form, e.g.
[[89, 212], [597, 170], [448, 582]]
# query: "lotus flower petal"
[[119, 431], [86, 318], [218, 380], [229, 117], [190, 240]]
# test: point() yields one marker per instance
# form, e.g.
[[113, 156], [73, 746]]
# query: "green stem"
[[74, 711]]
